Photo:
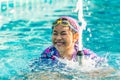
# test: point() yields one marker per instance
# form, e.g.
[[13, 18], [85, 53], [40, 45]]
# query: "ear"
[[76, 36]]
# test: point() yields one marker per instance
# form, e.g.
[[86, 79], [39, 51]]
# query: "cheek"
[[52, 38], [69, 39]]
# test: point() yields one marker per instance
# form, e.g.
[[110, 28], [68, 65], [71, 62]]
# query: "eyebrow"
[[63, 31], [57, 31], [54, 31]]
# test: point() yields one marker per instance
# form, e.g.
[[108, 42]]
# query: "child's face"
[[63, 38]]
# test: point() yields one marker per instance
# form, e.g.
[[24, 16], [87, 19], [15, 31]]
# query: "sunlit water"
[[25, 31]]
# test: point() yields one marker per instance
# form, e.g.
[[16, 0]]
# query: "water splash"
[[79, 9], [70, 71]]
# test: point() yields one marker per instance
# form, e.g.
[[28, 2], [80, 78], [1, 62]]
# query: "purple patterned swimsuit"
[[51, 53]]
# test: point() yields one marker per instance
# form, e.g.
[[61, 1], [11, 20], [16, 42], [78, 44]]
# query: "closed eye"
[[63, 33], [55, 33]]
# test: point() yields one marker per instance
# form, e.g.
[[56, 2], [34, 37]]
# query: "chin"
[[60, 48]]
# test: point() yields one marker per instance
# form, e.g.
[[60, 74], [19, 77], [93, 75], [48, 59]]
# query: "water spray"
[[79, 9]]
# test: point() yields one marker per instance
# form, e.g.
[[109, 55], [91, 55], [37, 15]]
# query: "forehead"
[[61, 28]]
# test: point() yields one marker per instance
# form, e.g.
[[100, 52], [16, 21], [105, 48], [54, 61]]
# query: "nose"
[[58, 37]]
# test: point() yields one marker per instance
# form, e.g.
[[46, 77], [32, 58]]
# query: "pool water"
[[25, 31]]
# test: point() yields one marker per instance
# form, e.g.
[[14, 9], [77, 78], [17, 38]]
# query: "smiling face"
[[63, 38]]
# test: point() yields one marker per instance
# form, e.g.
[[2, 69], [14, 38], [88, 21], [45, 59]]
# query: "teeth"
[[59, 43]]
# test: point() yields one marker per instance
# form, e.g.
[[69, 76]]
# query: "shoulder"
[[90, 53], [48, 52]]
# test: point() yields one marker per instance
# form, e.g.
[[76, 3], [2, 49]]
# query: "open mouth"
[[59, 43]]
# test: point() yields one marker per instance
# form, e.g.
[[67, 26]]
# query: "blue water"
[[25, 31]]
